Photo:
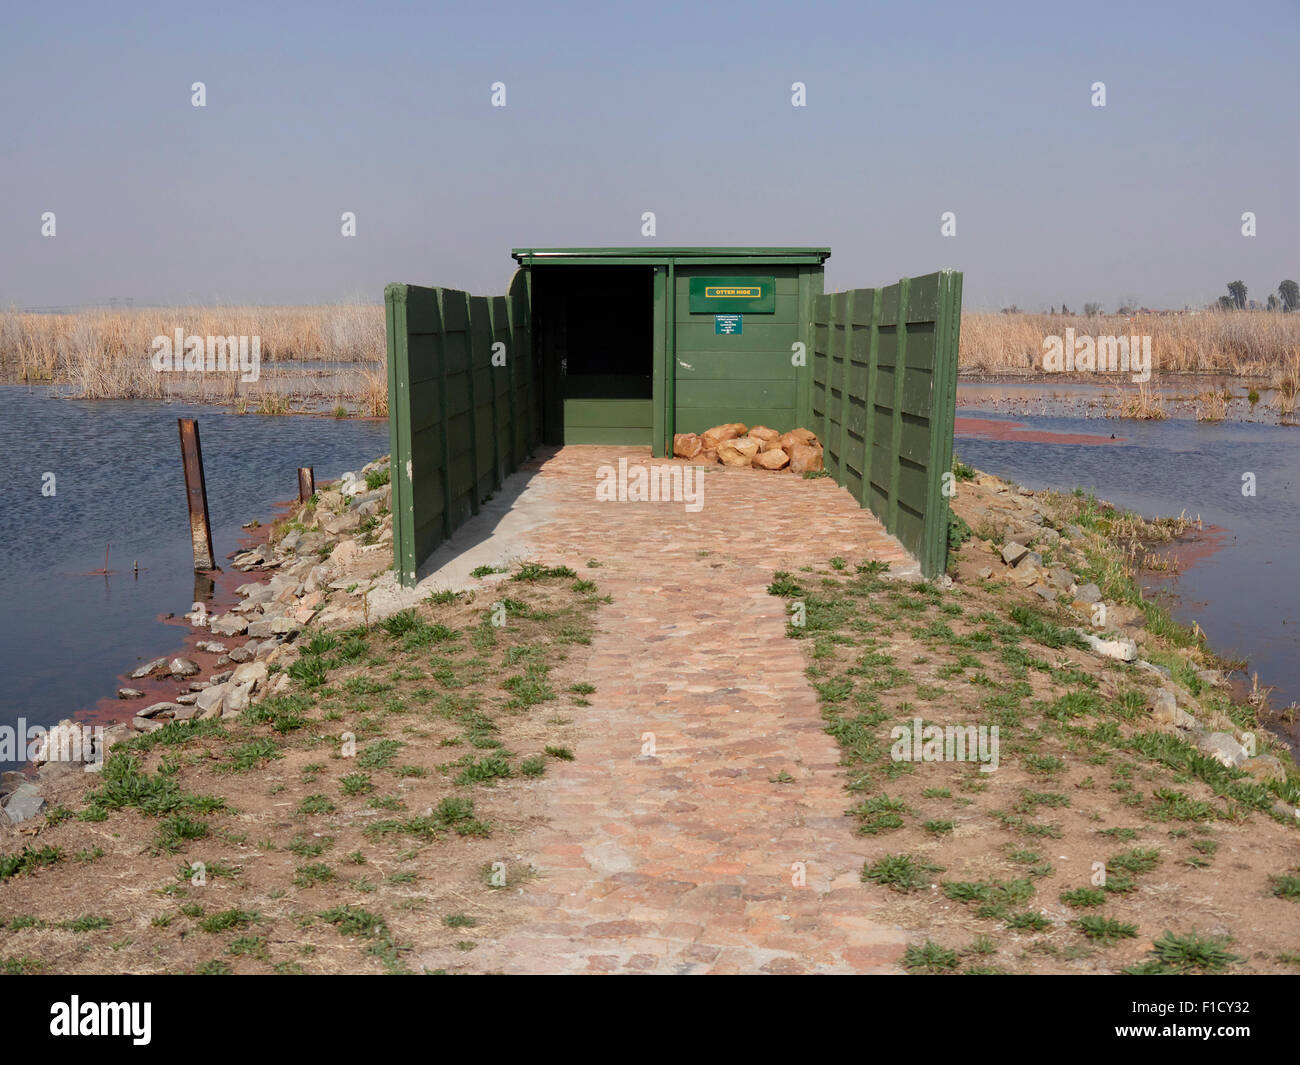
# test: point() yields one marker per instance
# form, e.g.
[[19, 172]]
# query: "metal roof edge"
[[535, 255]]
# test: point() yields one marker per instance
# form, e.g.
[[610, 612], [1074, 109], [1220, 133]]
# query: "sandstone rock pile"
[[736, 444]]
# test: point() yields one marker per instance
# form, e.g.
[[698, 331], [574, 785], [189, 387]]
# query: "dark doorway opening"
[[594, 328]]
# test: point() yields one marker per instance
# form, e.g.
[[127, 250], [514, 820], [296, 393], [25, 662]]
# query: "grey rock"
[[291, 541], [345, 523], [199, 685], [240, 654], [366, 498], [264, 593], [182, 667], [211, 647], [1044, 592], [261, 627], [984, 572], [1088, 593], [1013, 552], [24, 803], [146, 724], [251, 673], [1122, 649], [237, 699], [1165, 711], [285, 627], [229, 625], [1072, 531], [186, 713], [1223, 748], [1265, 766], [130, 693], [158, 665], [209, 702], [221, 678], [158, 708], [10, 780], [1060, 578]]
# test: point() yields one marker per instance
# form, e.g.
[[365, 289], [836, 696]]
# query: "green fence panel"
[[884, 387], [460, 420]]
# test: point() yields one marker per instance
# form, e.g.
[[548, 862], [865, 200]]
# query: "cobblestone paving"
[[684, 860]]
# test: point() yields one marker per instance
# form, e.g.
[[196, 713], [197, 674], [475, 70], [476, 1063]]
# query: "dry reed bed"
[[1256, 344], [106, 354]]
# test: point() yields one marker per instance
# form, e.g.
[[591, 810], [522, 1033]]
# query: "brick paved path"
[[683, 861]]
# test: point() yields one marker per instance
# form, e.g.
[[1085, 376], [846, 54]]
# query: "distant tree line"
[[1287, 297]]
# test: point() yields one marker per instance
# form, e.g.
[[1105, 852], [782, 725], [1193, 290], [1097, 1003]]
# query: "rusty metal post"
[[306, 483], [196, 491]]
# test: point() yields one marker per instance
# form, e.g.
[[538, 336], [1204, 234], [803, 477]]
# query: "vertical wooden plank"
[[827, 418], [659, 442], [846, 376], [473, 405], [943, 409], [493, 338], [896, 435], [512, 313], [670, 364], [440, 344], [804, 333], [873, 371], [399, 431]]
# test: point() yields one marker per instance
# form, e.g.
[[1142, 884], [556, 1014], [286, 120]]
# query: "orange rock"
[[739, 452], [806, 458], [763, 435], [686, 445], [797, 436], [715, 436], [707, 457], [772, 459]]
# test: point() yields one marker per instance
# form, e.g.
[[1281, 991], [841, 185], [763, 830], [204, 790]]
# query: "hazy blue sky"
[[614, 109]]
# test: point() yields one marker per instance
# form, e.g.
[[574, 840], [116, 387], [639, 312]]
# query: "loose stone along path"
[[687, 857]]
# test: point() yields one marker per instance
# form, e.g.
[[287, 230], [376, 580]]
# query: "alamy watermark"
[[1086, 354], [651, 484], [919, 742], [74, 744], [182, 353]]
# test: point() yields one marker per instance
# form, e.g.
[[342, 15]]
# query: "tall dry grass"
[[106, 354], [1243, 343]]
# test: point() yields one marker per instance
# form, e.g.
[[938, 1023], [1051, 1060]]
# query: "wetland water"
[[1241, 580], [64, 636]]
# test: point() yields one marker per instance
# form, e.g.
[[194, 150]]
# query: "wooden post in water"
[[196, 492], [306, 483]]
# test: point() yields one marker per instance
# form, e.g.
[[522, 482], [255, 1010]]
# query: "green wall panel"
[[458, 423], [883, 397]]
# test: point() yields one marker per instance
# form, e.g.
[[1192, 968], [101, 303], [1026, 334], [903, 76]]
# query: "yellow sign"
[[718, 292], [735, 295]]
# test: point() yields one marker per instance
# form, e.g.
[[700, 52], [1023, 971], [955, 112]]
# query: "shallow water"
[[65, 636], [1241, 583]]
